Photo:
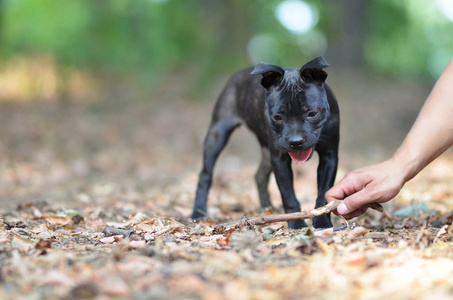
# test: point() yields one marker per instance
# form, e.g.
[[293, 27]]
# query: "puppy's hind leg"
[[216, 139]]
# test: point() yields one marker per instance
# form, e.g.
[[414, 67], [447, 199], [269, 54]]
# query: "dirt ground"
[[71, 176]]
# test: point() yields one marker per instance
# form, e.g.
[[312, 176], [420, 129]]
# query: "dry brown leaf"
[[269, 211], [444, 231], [222, 242], [56, 278], [136, 219], [98, 225], [44, 232], [147, 227], [357, 232], [187, 283], [226, 240], [107, 240], [354, 260], [155, 225], [236, 289], [137, 244], [266, 294], [116, 287], [277, 241], [58, 220], [325, 248], [170, 229], [43, 245], [207, 222], [263, 249], [4, 238]]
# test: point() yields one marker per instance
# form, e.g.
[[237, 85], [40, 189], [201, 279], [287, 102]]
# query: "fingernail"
[[342, 209]]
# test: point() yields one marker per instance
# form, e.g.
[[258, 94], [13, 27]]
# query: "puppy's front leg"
[[327, 169], [281, 164]]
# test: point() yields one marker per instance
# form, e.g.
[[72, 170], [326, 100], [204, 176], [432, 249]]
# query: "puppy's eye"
[[277, 118], [312, 114]]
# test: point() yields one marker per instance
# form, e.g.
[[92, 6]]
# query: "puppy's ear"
[[312, 71], [272, 75]]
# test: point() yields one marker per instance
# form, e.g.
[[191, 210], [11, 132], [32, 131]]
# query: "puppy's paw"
[[322, 222], [297, 224]]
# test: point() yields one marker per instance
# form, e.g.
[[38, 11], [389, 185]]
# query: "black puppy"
[[292, 112]]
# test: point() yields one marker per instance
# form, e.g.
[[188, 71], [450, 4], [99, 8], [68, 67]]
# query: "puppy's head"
[[296, 105]]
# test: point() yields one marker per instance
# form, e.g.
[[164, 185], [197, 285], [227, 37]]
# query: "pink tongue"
[[300, 157]]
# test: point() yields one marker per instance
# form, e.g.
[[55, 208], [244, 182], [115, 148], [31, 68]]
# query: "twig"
[[346, 221], [168, 229], [330, 207]]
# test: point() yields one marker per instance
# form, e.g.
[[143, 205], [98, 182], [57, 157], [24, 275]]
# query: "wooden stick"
[[266, 219]]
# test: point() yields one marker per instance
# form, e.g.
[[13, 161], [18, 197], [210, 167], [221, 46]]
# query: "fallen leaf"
[[107, 240], [187, 283], [137, 244], [58, 220], [444, 231], [170, 229], [136, 219], [56, 278], [270, 211], [116, 287], [325, 248], [357, 232], [43, 245], [277, 241], [236, 289], [355, 260], [207, 222], [263, 249], [226, 241]]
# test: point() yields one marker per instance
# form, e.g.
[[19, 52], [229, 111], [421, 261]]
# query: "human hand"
[[376, 183]]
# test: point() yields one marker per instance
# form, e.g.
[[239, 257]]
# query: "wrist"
[[405, 165]]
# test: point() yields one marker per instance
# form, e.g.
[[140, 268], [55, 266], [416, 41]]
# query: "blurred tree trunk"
[[229, 22], [349, 32]]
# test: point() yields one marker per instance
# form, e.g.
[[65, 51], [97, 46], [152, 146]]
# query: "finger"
[[358, 212], [349, 185], [340, 191], [353, 202], [354, 214]]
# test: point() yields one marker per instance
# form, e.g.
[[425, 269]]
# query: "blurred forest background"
[[104, 106], [127, 87]]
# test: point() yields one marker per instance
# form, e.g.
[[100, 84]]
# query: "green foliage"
[[42, 26], [408, 38], [108, 35], [404, 38]]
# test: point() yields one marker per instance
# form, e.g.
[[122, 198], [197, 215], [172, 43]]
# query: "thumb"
[[353, 202]]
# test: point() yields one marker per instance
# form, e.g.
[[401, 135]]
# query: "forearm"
[[432, 132], [429, 137]]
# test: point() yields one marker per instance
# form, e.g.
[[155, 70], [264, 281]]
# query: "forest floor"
[[68, 175]]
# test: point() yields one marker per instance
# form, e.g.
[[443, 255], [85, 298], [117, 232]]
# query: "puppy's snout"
[[296, 143]]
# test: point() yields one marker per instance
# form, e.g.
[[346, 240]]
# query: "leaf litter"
[[104, 225]]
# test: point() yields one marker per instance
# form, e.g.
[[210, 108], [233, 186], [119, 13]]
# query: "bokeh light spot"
[[446, 8], [297, 16], [262, 48]]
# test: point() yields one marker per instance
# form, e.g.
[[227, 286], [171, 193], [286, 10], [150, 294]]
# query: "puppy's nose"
[[296, 143]]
